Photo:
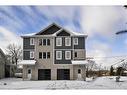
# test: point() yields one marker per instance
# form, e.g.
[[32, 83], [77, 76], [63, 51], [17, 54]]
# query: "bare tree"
[[15, 52]]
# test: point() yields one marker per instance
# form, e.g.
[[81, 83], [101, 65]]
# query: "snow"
[[30, 34], [27, 62], [76, 62], [98, 83]]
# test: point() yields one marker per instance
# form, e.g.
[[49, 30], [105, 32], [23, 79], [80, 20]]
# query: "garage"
[[63, 74], [44, 74]]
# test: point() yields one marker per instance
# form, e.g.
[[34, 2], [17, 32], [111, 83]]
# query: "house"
[[54, 54], [2, 64]]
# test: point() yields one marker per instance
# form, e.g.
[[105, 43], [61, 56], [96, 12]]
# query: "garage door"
[[44, 74], [63, 74]]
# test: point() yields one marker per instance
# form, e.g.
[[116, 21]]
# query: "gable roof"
[[52, 30]]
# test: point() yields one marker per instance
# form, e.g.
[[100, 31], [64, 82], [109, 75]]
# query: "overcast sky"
[[100, 23]]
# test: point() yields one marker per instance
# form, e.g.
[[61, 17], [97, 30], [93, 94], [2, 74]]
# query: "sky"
[[100, 23]]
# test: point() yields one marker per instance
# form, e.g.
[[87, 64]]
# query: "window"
[[79, 71], [31, 54], [31, 41], [40, 41], [48, 55], [48, 41], [67, 55], [44, 42], [58, 41], [29, 71], [40, 55], [44, 55], [58, 55], [75, 41], [75, 54], [67, 41]]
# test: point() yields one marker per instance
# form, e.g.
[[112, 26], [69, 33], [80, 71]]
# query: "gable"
[[49, 30], [63, 33]]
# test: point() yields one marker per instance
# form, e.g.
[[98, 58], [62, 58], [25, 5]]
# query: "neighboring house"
[[54, 54], [2, 64]]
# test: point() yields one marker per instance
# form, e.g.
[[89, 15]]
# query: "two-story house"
[[54, 54], [2, 64]]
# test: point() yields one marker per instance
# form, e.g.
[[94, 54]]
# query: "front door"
[[29, 74]]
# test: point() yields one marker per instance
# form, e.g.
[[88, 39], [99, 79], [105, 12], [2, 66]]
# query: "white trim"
[[58, 41], [31, 54], [66, 53], [31, 41], [66, 41], [58, 58]]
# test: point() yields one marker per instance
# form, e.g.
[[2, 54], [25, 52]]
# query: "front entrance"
[[63, 74], [44, 74], [29, 74]]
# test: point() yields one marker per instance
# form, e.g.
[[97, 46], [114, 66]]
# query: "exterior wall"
[[26, 44], [63, 43], [2, 65], [81, 43], [81, 54], [63, 61], [83, 71]]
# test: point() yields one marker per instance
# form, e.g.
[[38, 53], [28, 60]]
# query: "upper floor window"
[[75, 54], [40, 55], [48, 41], [68, 55], [31, 41], [58, 41], [75, 41], [44, 42], [40, 41], [31, 54], [67, 41], [58, 55], [44, 55]]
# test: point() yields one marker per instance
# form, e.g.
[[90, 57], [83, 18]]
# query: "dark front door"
[[63, 74], [44, 74]]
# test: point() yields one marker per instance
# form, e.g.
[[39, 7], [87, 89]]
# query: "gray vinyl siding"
[[26, 55], [63, 44], [26, 44], [63, 60], [81, 43]]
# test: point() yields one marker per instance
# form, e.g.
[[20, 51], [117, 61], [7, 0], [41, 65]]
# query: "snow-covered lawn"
[[98, 83]]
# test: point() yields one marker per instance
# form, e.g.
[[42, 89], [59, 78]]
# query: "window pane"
[[68, 54], [44, 55], [48, 41], [59, 55], [44, 41], [58, 41], [75, 54], [40, 41], [48, 54], [67, 41], [40, 55]]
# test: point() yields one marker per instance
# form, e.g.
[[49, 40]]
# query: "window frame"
[[60, 39], [41, 55], [75, 43], [66, 55], [31, 52], [32, 41], [69, 41], [60, 55]]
